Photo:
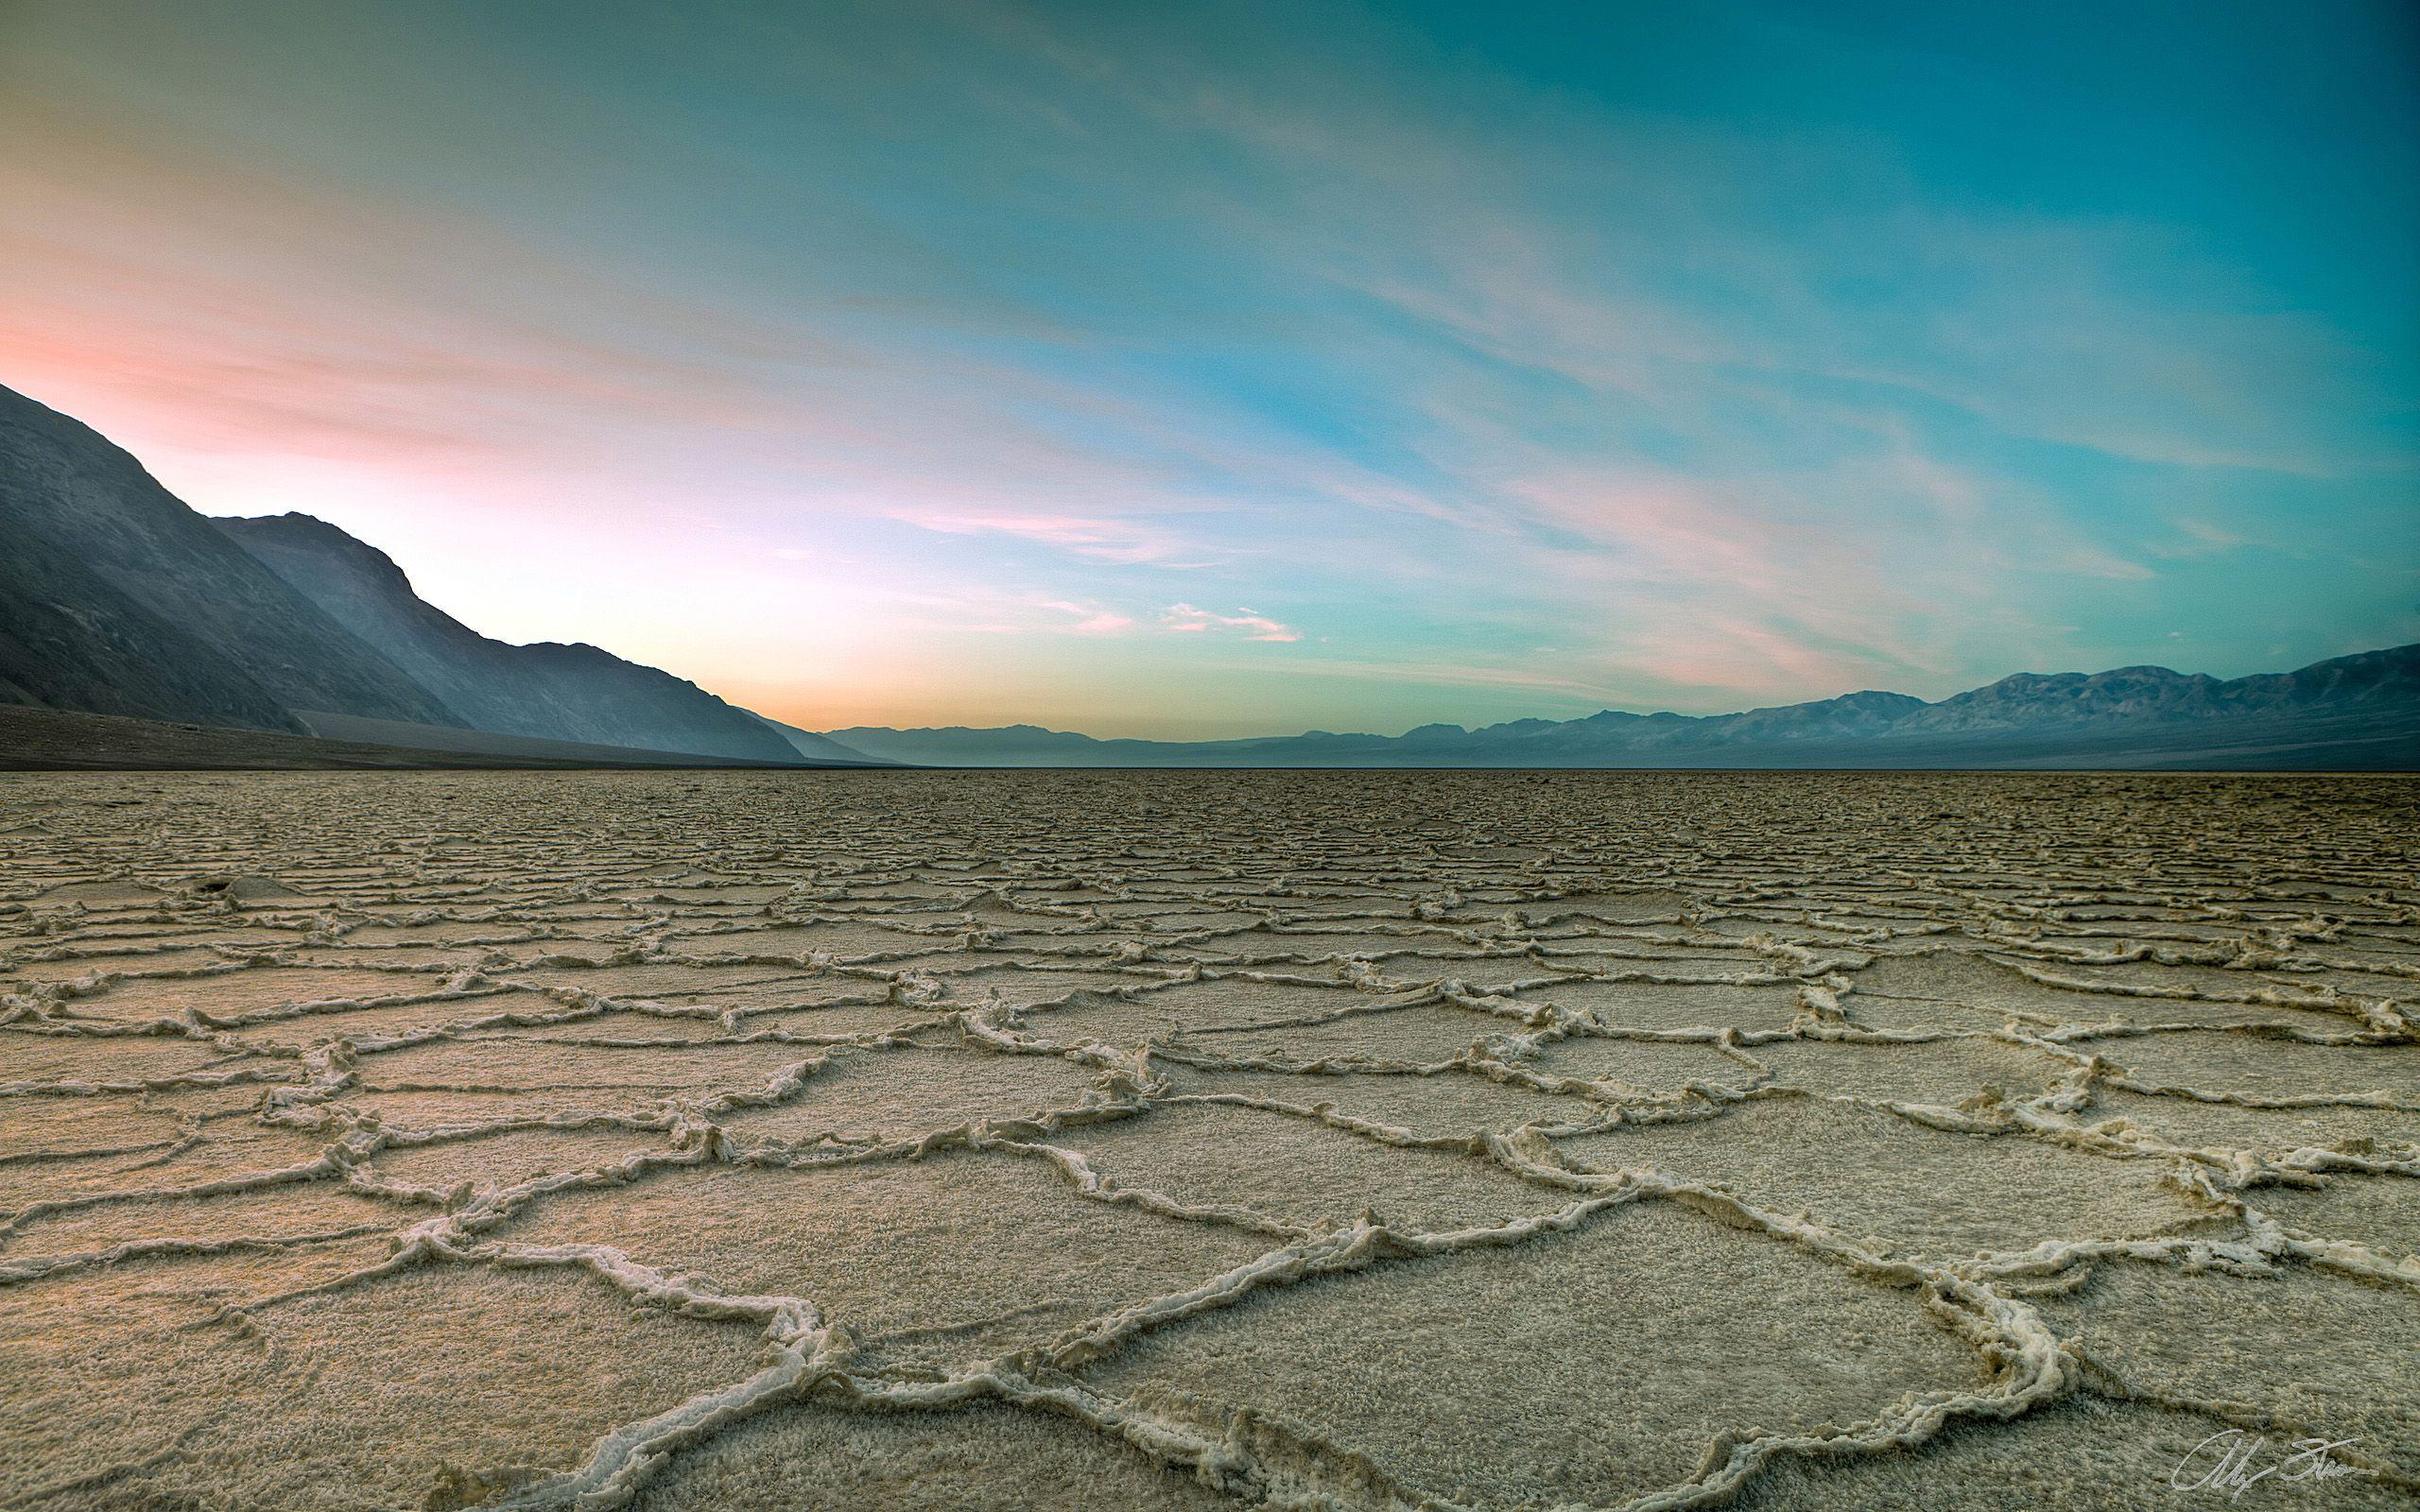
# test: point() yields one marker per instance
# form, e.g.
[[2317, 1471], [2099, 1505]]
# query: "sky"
[[1211, 371]]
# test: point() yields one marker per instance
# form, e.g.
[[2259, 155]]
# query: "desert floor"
[[995, 1140]]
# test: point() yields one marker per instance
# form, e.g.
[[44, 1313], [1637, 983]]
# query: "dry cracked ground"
[[959, 1141]]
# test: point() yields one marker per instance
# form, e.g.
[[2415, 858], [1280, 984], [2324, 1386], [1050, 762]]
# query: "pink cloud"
[[1183, 619], [1089, 619]]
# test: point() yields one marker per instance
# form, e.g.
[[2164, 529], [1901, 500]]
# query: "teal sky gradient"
[[1227, 370]]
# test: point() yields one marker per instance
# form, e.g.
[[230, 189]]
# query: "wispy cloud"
[[1089, 619], [1183, 619], [1102, 540], [2198, 538]]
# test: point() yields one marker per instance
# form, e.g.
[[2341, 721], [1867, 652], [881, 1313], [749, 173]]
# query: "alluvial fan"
[[870, 1140]]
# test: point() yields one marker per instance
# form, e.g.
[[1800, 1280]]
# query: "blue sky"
[[1190, 370]]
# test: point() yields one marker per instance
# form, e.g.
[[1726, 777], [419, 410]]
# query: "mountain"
[[2355, 712], [549, 691], [1023, 745], [115, 598], [818, 747]]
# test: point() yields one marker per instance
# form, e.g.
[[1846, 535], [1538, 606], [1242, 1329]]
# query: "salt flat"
[[870, 1140]]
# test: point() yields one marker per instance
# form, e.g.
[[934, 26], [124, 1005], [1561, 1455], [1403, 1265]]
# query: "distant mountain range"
[[117, 599], [2357, 712]]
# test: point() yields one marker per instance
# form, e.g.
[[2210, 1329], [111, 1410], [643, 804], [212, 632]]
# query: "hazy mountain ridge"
[[548, 689], [810, 745], [2360, 710]]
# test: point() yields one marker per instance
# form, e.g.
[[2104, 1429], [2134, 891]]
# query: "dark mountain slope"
[[116, 598], [64, 740]]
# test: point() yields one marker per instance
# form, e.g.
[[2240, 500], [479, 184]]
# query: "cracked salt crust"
[[1352, 1140]]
